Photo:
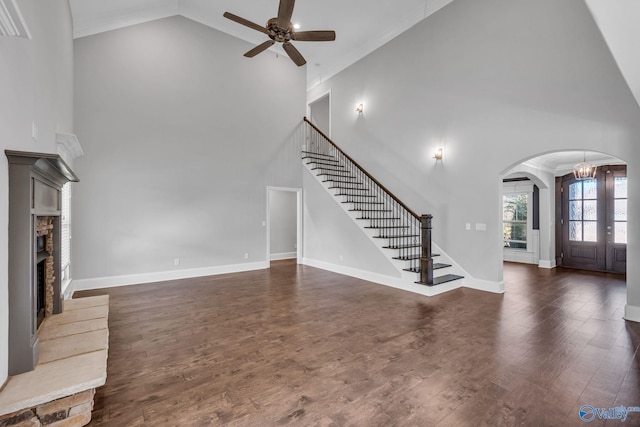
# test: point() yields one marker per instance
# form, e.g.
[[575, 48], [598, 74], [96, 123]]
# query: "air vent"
[[12, 23]]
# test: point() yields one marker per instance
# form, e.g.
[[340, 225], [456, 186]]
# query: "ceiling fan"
[[281, 30]]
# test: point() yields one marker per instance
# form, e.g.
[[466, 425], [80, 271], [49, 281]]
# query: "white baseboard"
[[632, 313], [484, 285], [66, 289], [381, 279], [546, 263], [283, 255], [160, 276]]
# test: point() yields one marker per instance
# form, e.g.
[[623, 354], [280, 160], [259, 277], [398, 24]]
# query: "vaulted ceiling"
[[361, 25]]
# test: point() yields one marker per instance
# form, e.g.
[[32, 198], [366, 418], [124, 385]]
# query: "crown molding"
[[12, 22]]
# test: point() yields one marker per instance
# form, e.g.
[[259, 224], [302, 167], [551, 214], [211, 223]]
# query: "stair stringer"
[[406, 280]]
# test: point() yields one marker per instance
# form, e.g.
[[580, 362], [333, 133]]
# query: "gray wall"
[[35, 86], [181, 136], [493, 83], [283, 216], [330, 236]]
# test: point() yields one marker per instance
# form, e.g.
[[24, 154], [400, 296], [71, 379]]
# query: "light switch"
[[481, 227]]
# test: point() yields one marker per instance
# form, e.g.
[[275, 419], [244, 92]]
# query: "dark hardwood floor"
[[301, 346]]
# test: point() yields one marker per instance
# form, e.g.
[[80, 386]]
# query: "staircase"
[[403, 236]]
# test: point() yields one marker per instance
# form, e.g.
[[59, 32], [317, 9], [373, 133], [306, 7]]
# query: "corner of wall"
[[632, 313]]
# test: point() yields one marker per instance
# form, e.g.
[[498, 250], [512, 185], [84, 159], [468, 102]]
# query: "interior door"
[[594, 221]]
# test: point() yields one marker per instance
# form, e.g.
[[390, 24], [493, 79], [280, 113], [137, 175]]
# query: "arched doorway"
[[565, 213]]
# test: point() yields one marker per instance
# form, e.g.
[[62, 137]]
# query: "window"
[[65, 233], [515, 216], [583, 211], [620, 209]]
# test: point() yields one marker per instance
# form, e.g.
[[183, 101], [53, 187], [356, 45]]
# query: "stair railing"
[[406, 231]]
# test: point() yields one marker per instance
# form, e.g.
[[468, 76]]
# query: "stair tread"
[[349, 188], [321, 158], [363, 203], [326, 164], [383, 227], [413, 245], [328, 169], [413, 256], [357, 195], [379, 219], [399, 236], [369, 210], [443, 279], [339, 176], [318, 154], [436, 266]]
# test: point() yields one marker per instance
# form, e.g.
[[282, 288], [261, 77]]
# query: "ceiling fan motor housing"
[[279, 34]]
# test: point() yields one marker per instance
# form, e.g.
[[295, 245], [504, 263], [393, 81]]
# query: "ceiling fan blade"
[[294, 54], [314, 36], [260, 48], [285, 10], [245, 22]]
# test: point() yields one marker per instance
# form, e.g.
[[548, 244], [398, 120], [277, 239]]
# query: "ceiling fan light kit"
[[281, 30]]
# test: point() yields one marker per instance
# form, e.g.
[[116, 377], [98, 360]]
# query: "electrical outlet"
[[176, 261], [468, 226], [246, 255]]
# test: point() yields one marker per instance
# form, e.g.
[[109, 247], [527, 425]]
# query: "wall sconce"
[[360, 108], [438, 155]]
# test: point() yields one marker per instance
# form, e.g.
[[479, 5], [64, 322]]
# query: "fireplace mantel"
[[35, 181]]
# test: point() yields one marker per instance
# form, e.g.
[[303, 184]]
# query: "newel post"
[[426, 261]]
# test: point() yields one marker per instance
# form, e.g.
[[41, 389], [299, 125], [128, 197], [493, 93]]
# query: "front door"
[[594, 221]]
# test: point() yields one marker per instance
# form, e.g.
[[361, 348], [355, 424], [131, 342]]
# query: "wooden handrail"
[[393, 196]]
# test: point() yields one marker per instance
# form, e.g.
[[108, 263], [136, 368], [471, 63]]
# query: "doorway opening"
[[580, 226], [284, 223], [320, 112]]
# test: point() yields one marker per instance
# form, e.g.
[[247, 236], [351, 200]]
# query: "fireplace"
[[35, 182]]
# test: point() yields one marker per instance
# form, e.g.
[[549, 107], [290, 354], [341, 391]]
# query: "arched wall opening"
[[542, 171]]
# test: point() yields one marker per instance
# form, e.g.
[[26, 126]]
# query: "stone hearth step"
[[72, 361]]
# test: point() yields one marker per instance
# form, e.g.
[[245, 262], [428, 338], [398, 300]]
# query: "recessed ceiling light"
[[296, 26]]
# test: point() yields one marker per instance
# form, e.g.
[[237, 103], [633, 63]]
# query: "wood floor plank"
[[294, 345]]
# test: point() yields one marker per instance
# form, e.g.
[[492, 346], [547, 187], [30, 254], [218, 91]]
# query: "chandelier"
[[584, 170]]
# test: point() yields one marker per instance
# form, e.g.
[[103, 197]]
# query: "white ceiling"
[[619, 23], [361, 26]]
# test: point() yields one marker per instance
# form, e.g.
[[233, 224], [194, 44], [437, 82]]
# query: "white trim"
[[380, 279], [283, 255], [12, 22], [299, 212], [69, 142], [484, 285], [160, 276], [632, 313], [545, 263], [67, 289]]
